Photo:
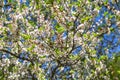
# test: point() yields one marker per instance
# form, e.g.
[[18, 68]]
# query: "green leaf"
[[105, 2], [22, 7], [43, 56], [10, 68], [118, 72], [9, 0], [16, 69], [95, 34], [32, 23], [111, 16], [98, 7], [93, 51], [61, 8], [49, 1], [25, 36], [111, 29], [73, 57], [37, 4], [1, 73], [31, 48], [41, 28], [58, 52], [69, 24], [105, 13], [85, 18], [59, 28], [103, 57], [85, 35], [72, 71]]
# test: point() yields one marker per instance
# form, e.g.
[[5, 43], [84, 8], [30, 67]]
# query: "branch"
[[6, 51], [74, 26], [53, 72]]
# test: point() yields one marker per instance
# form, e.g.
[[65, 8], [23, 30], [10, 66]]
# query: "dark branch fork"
[[73, 47], [73, 41]]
